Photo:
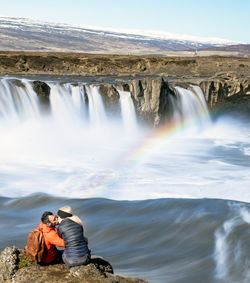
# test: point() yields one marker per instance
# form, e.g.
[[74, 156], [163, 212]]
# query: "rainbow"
[[155, 139], [159, 136]]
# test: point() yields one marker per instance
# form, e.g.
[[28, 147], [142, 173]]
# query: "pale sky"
[[228, 19]]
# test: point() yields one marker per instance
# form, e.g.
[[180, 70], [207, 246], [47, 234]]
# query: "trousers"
[[70, 262]]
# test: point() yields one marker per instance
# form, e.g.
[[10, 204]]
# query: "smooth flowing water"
[[168, 204]]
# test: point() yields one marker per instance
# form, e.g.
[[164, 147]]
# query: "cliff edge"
[[15, 266], [225, 81]]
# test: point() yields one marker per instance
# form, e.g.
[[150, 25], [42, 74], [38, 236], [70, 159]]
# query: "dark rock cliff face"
[[110, 97], [150, 99], [218, 90], [228, 95]]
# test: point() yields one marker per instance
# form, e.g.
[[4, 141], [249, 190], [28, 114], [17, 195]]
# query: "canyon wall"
[[225, 81]]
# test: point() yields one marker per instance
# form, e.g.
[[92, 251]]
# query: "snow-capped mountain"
[[27, 34]]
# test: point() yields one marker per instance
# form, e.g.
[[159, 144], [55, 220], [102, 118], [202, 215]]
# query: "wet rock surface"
[[15, 266], [110, 97], [43, 92], [151, 99]]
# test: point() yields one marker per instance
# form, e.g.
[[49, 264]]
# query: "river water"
[[169, 204]]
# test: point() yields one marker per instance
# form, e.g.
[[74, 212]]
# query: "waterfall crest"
[[82, 103], [188, 105], [17, 101], [128, 111], [97, 113]]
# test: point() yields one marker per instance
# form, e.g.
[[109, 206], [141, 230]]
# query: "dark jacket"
[[76, 245]]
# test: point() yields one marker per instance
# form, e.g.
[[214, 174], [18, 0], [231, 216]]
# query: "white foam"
[[246, 150], [230, 252]]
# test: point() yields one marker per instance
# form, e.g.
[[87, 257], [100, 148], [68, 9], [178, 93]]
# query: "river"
[[168, 204]]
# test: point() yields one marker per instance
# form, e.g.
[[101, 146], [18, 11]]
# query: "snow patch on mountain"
[[25, 24]]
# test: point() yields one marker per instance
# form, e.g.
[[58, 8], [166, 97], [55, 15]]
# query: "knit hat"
[[64, 212]]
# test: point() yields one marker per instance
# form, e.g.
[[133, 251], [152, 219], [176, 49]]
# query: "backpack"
[[35, 247]]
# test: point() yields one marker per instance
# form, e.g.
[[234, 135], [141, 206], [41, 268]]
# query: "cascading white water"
[[67, 103], [128, 111], [18, 102], [96, 109], [230, 251], [78, 99], [189, 104], [67, 153], [201, 98]]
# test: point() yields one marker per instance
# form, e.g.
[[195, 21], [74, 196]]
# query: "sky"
[[227, 19]]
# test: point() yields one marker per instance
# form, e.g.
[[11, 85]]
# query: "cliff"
[[151, 95], [15, 266], [225, 81]]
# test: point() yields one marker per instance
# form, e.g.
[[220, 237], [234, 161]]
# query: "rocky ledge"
[[73, 64], [15, 266], [225, 81]]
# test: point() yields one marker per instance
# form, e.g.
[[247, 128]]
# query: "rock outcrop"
[[15, 266], [9, 258], [43, 92], [150, 99], [218, 89], [110, 97]]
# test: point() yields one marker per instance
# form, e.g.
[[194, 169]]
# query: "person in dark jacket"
[[71, 229]]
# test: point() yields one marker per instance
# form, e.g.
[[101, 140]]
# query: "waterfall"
[[18, 101], [78, 99], [128, 111], [67, 102], [81, 103], [96, 109], [189, 105]]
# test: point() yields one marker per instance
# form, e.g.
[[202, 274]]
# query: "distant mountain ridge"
[[31, 35]]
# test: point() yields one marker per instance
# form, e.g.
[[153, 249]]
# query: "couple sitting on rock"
[[68, 234]]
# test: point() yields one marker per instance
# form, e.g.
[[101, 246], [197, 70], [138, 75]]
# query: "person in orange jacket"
[[51, 238]]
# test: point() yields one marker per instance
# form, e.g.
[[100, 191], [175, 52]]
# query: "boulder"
[[8, 263]]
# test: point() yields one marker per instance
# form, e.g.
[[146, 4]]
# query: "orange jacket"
[[51, 239]]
